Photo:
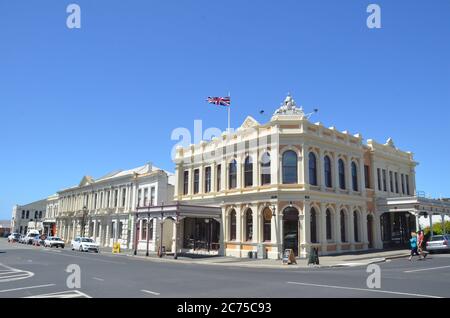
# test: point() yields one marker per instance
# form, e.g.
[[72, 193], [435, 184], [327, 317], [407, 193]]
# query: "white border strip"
[[366, 290]]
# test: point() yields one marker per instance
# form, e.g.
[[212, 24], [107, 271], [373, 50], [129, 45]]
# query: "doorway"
[[290, 229]]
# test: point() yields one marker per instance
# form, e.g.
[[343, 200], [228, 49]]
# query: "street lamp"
[[209, 234], [83, 221]]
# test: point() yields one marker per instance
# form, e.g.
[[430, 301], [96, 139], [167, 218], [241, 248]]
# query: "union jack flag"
[[222, 101]]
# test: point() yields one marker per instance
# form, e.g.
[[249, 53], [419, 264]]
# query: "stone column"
[[337, 230], [348, 175], [335, 170], [320, 170], [364, 233], [305, 235], [361, 179], [351, 229], [322, 228], [221, 237]]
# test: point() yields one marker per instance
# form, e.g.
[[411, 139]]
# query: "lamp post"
[[83, 221], [209, 234], [147, 232], [274, 214], [162, 231], [136, 233]]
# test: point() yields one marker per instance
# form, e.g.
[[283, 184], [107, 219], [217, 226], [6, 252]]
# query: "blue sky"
[[107, 96]]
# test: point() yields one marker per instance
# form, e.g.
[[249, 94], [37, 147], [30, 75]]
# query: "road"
[[27, 271]]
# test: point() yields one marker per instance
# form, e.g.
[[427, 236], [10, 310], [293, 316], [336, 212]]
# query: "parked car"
[[29, 238], [54, 241], [22, 239], [84, 244], [438, 243], [13, 237]]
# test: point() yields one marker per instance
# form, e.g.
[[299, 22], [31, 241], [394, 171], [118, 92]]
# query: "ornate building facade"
[[103, 208], [291, 183]]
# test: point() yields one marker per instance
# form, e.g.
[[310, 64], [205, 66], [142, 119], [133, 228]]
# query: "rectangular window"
[[116, 197], [139, 197], [108, 199], [367, 176], [407, 185], [152, 196], [144, 230], [196, 180], [119, 230], [146, 197], [124, 196], [23, 214], [396, 182], [403, 183], [391, 181], [207, 179], [113, 230], [95, 201], [219, 177], [28, 214], [186, 183], [379, 178], [101, 200], [384, 181], [35, 214]]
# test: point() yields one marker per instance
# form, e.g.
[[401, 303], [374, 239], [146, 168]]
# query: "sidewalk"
[[343, 260]]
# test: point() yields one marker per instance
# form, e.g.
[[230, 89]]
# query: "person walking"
[[413, 245], [420, 243]]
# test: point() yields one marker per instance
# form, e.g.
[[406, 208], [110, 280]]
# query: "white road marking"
[[366, 289], [22, 288], [14, 274], [100, 279], [425, 269], [150, 292], [64, 294]]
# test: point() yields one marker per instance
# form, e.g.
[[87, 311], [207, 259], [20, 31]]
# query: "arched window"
[[267, 225], [248, 172], [289, 167], [249, 225], [343, 227], [233, 225], [341, 174], [312, 169], [265, 168], [313, 224], [232, 174], [354, 177], [328, 224], [356, 225], [327, 170]]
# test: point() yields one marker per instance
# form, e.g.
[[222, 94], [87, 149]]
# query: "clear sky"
[[108, 96]]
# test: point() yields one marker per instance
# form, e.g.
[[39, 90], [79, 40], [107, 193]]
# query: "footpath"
[[330, 261]]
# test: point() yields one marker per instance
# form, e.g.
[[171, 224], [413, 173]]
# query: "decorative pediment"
[[249, 122], [87, 180]]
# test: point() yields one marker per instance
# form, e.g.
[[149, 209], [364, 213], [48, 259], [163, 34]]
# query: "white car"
[[84, 244], [13, 237], [54, 241]]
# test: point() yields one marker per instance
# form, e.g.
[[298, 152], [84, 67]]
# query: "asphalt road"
[[27, 271]]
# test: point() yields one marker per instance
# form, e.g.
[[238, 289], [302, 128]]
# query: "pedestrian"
[[420, 243], [413, 245]]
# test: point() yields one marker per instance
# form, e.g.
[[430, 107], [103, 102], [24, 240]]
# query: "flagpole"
[[229, 116]]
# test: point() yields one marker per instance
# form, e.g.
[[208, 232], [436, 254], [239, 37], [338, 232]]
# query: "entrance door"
[[370, 230], [290, 229]]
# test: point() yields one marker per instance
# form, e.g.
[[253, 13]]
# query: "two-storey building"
[[294, 184]]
